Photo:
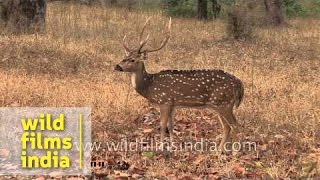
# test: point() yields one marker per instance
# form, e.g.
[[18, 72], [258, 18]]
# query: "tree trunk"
[[113, 2], [216, 8], [4, 11], [202, 9], [130, 4], [274, 12], [24, 16]]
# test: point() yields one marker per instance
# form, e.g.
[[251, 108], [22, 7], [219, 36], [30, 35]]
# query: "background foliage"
[[292, 8]]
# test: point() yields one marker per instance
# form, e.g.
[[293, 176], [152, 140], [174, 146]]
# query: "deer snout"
[[118, 68]]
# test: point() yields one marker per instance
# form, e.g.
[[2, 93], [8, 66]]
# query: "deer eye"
[[131, 60]]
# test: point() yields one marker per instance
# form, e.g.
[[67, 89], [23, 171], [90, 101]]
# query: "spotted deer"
[[171, 89]]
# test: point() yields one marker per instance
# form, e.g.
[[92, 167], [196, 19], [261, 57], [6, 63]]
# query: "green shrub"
[[312, 6], [293, 8], [188, 8], [185, 8]]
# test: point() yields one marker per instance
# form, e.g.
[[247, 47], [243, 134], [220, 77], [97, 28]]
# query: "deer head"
[[134, 57]]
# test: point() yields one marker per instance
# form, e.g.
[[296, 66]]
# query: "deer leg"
[[226, 139], [170, 124], [231, 120], [164, 116]]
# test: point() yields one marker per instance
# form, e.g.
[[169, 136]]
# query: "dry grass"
[[72, 65]]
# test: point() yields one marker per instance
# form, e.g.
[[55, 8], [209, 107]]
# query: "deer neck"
[[140, 80]]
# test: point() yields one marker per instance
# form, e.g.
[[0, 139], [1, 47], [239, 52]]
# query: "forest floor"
[[72, 65]]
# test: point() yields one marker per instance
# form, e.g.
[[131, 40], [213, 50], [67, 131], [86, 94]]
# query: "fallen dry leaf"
[[4, 153], [15, 104], [187, 177], [121, 178], [100, 174], [138, 171], [279, 136], [74, 178], [122, 174], [146, 131], [41, 178], [136, 176], [239, 170], [199, 160], [259, 164], [263, 147], [55, 174]]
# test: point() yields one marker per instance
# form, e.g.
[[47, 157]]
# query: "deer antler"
[[164, 42], [125, 44], [144, 42], [144, 27]]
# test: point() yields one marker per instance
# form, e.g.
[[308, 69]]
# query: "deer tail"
[[239, 95]]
